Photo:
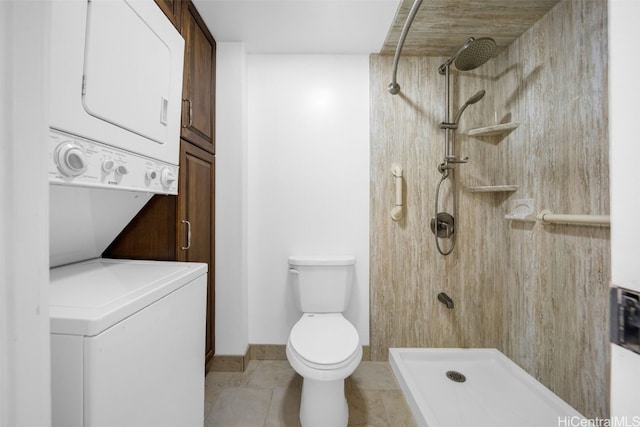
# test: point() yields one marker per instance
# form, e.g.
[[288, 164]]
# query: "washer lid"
[[88, 297], [325, 339]]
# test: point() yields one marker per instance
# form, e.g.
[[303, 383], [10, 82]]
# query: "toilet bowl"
[[323, 346], [324, 349]]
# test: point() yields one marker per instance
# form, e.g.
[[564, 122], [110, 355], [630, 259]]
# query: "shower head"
[[472, 54], [475, 54], [475, 98]]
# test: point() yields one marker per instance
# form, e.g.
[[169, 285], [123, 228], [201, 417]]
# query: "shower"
[[472, 54]]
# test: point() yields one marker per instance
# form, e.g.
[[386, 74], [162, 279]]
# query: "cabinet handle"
[[184, 248], [190, 113]]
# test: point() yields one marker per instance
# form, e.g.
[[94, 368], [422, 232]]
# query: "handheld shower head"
[[475, 98], [472, 54]]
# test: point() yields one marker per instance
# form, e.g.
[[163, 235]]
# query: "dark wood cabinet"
[[198, 89], [173, 10], [196, 220]]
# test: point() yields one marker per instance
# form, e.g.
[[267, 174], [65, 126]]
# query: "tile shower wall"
[[538, 293]]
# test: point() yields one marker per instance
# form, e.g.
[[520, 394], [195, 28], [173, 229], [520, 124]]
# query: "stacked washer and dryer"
[[127, 337]]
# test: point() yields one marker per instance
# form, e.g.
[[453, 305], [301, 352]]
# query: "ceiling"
[[300, 26], [366, 26], [441, 26]]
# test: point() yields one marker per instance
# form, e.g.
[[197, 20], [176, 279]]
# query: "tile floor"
[[267, 394]]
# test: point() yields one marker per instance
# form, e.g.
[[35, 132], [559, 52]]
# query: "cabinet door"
[[173, 10], [196, 198], [198, 90]]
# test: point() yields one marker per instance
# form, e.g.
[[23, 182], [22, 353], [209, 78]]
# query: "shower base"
[[495, 392]]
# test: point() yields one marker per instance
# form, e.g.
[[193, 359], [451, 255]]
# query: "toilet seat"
[[324, 341]]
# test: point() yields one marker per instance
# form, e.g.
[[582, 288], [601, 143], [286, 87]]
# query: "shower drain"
[[456, 376]]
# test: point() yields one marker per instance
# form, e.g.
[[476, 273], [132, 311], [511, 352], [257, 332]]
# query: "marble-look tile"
[[378, 408], [211, 393], [230, 379], [274, 374], [373, 376], [240, 407], [397, 410], [269, 395], [366, 407], [284, 410]]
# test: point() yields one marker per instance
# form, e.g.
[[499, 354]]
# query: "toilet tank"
[[322, 284]]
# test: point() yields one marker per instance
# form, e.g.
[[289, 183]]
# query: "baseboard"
[[230, 362], [267, 352], [366, 353], [238, 363]]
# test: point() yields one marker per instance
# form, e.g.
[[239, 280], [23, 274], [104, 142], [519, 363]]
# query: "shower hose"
[[445, 176]]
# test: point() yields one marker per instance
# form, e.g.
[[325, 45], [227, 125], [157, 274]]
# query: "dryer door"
[[127, 70], [116, 75]]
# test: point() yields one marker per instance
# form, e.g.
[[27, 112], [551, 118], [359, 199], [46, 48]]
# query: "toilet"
[[323, 347]]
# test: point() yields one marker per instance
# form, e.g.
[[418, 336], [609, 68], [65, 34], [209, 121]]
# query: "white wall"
[[624, 89], [231, 200], [308, 188], [24, 256], [625, 149]]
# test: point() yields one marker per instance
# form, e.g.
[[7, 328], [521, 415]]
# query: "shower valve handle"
[[443, 225]]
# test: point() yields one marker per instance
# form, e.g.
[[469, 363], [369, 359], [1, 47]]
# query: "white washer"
[[127, 343]]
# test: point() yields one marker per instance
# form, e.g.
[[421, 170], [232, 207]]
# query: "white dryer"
[[127, 343]]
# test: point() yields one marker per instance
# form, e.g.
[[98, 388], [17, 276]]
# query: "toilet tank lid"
[[322, 260]]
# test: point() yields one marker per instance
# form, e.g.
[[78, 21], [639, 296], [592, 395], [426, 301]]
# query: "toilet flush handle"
[[293, 271]]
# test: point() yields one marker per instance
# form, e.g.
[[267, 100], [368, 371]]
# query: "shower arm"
[[394, 87]]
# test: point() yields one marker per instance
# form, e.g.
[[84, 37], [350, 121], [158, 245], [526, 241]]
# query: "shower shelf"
[[495, 130], [492, 188]]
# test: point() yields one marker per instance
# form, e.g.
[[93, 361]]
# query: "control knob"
[[167, 177], [121, 170], [71, 159], [151, 174], [108, 166]]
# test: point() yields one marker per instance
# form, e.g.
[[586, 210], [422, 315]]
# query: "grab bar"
[[547, 217], [396, 211], [394, 87]]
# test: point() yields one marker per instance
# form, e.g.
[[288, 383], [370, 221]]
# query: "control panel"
[[82, 162]]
